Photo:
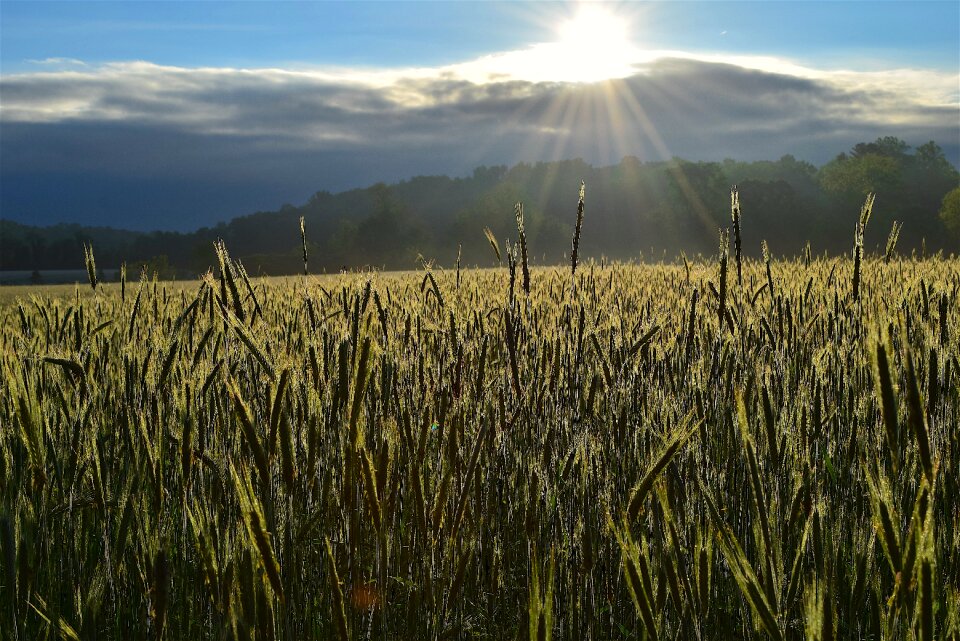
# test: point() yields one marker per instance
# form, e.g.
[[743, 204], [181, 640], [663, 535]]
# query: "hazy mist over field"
[[178, 116]]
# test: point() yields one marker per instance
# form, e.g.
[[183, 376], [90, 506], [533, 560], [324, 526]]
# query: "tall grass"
[[392, 456]]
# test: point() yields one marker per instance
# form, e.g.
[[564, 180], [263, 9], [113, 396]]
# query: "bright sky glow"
[[594, 45]]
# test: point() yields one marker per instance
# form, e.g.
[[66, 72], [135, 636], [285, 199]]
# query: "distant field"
[[643, 451], [64, 291], [12, 293]]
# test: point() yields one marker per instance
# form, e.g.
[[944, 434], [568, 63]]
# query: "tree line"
[[635, 209]]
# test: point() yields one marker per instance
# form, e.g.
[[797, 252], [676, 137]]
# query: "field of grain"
[[703, 450]]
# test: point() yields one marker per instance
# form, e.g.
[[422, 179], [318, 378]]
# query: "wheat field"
[[725, 448]]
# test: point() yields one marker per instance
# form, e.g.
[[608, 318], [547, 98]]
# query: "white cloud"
[[57, 62], [189, 96]]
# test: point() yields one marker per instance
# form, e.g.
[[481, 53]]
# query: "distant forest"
[[634, 210]]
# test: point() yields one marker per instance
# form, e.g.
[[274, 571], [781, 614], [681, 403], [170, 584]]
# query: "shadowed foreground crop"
[[660, 452]]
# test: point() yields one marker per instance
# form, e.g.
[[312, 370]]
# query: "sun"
[[594, 45], [591, 45], [593, 26]]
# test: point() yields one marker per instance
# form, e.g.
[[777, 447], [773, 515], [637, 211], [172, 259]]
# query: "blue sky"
[[431, 33], [175, 115]]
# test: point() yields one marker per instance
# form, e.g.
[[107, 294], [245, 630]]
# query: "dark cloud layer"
[[147, 147]]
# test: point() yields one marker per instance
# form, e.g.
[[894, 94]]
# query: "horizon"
[[175, 116]]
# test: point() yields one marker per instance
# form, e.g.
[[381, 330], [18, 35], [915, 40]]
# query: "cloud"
[[235, 140], [57, 62]]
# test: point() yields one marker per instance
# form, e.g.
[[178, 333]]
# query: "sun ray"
[[638, 112]]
